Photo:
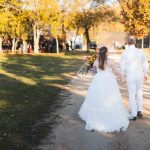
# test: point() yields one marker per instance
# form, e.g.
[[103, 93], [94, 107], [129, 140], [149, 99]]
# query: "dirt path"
[[70, 134]]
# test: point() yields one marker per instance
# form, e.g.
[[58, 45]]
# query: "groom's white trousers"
[[135, 90]]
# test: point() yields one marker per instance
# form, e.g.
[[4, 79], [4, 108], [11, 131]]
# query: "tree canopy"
[[88, 18], [136, 16], [22, 18]]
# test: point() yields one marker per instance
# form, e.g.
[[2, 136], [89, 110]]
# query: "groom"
[[135, 64]]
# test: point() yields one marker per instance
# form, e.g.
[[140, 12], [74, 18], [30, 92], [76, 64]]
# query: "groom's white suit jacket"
[[133, 61]]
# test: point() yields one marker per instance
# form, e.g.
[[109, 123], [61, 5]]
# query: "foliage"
[[4, 21], [41, 11], [88, 18], [136, 16], [20, 17], [41, 14], [24, 17]]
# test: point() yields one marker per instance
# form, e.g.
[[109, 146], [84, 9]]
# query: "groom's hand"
[[145, 78]]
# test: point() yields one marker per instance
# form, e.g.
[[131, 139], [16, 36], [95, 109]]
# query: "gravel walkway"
[[69, 133]]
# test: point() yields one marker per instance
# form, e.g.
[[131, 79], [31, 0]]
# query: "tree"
[[11, 23], [56, 27], [5, 14], [3, 25], [66, 15], [15, 29], [40, 13], [136, 17], [88, 18]]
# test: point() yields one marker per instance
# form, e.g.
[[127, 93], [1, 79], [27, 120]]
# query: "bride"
[[103, 109]]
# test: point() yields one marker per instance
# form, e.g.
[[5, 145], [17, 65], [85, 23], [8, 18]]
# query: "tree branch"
[[6, 5]]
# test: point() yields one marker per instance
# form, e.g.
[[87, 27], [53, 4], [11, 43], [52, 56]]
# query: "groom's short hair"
[[131, 41]]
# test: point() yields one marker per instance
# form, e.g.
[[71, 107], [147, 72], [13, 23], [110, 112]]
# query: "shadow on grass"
[[29, 89]]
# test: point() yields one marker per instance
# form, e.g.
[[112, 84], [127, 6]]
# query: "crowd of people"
[[45, 45]]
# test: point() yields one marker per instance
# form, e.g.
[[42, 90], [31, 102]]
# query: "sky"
[[111, 1], [108, 1]]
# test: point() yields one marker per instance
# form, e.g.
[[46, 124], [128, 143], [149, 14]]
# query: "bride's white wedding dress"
[[103, 109]]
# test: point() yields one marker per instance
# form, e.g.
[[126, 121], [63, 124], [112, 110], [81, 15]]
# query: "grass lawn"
[[29, 87]]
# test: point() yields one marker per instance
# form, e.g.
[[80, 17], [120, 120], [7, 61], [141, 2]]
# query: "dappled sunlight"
[[30, 87], [146, 107], [3, 58], [108, 135], [30, 66], [19, 78], [146, 86], [69, 75], [70, 89], [50, 78], [71, 120], [3, 104]]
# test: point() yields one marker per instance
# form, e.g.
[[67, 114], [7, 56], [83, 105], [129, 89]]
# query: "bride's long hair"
[[102, 57]]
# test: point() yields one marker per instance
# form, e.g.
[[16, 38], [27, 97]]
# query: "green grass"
[[29, 87]]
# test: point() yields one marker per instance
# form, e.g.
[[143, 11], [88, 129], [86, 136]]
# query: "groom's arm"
[[145, 65]]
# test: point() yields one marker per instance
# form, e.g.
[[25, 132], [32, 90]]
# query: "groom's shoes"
[[92, 130], [139, 114], [133, 119]]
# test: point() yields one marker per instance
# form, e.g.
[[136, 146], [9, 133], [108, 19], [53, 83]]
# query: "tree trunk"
[[1, 48], [57, 46], [36, 38], [16, 44], [13, 44], [24, 47], [87, 39], [63, 33]]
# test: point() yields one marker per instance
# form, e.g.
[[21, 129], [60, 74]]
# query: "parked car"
[[78, 46], [93, 45]]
